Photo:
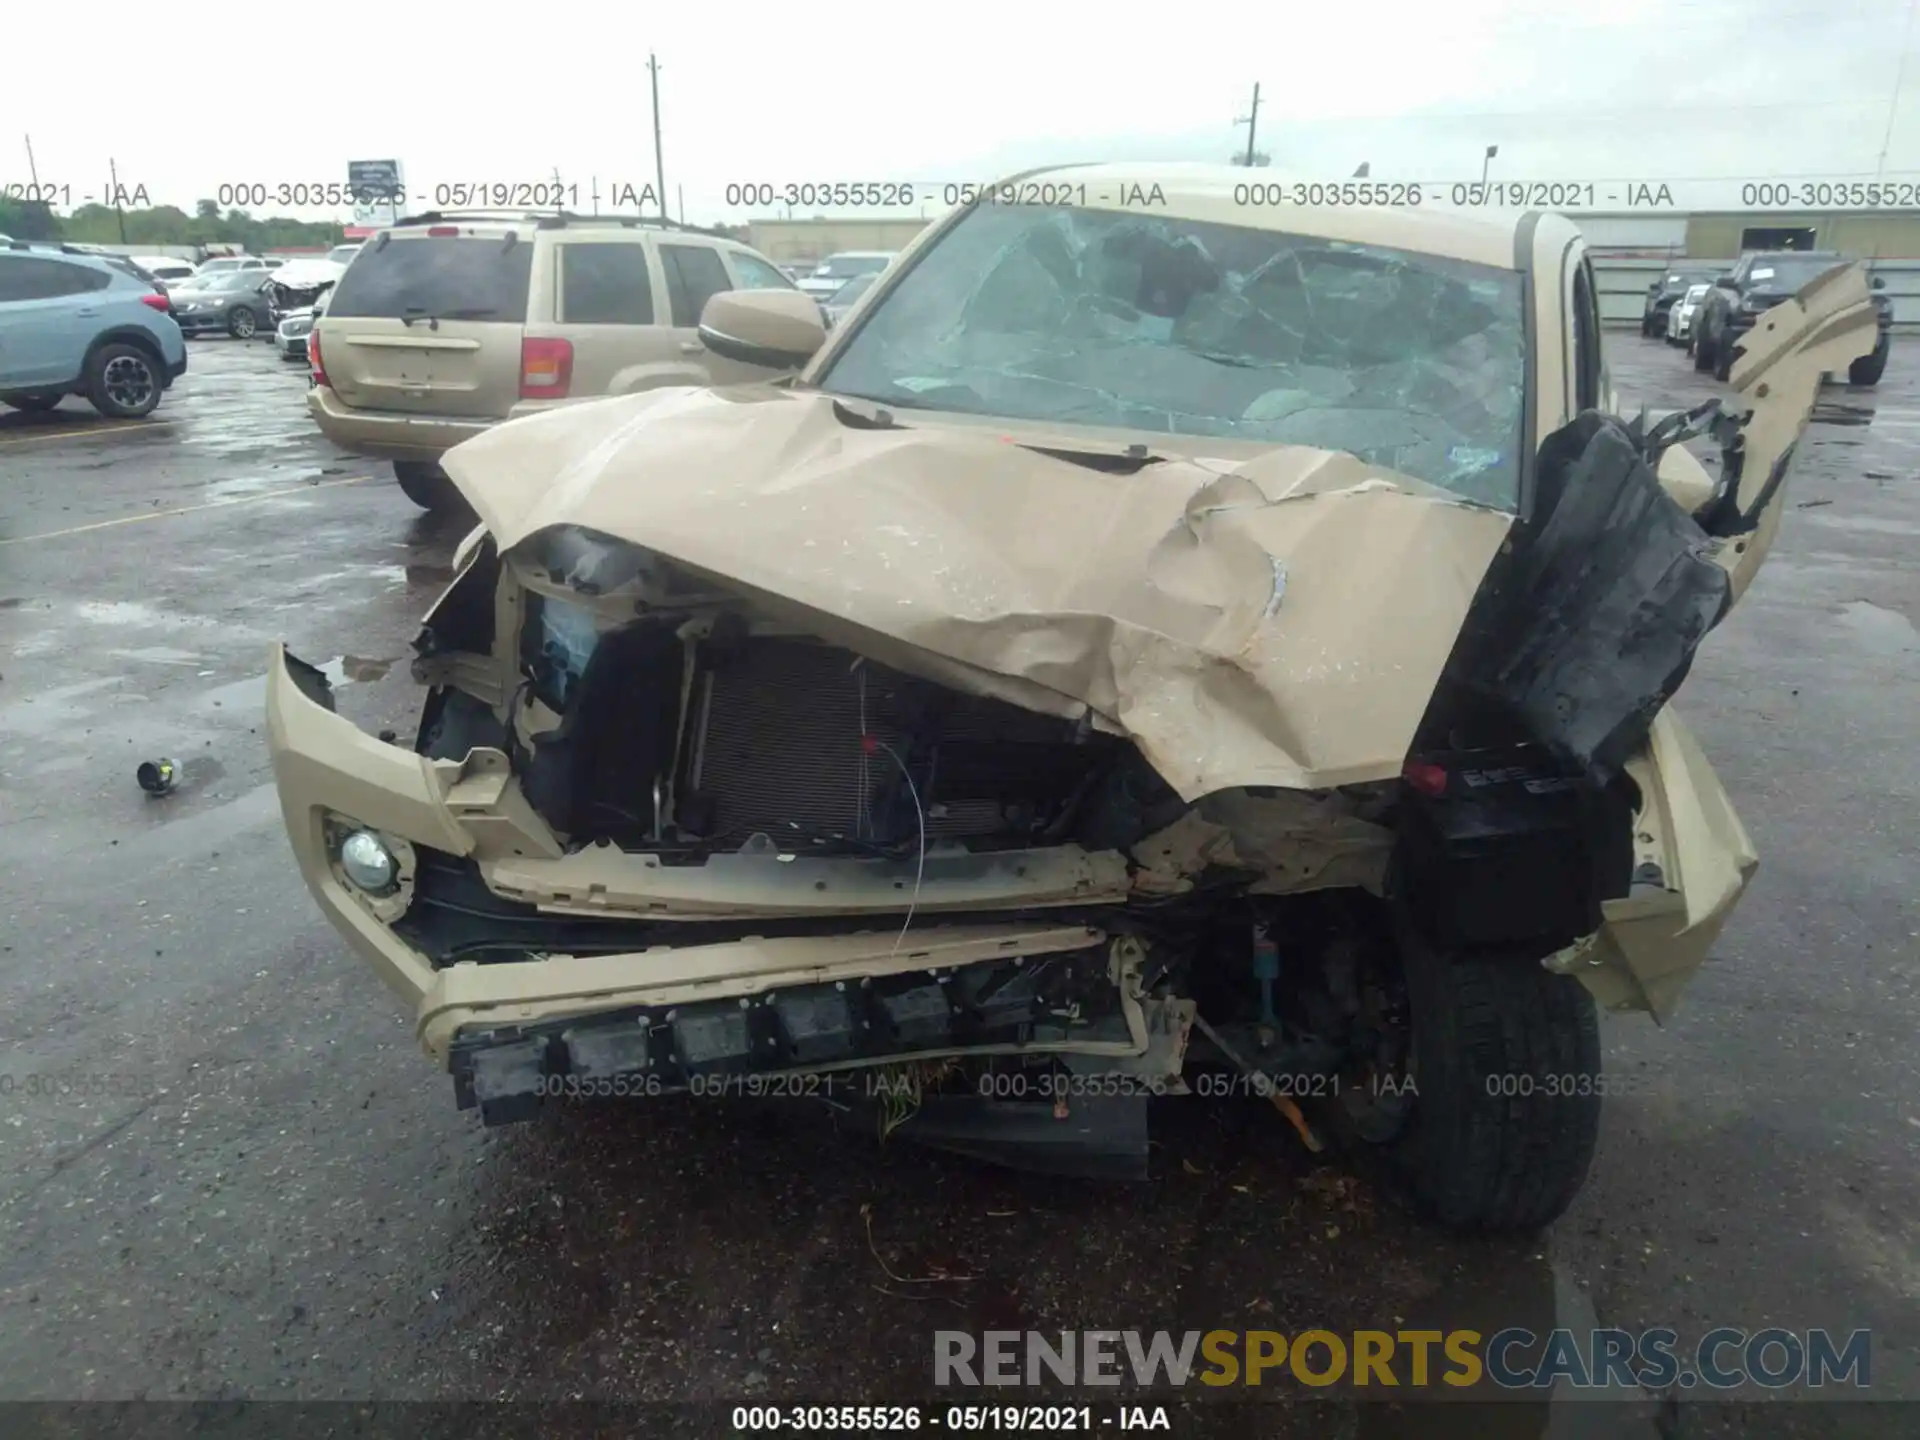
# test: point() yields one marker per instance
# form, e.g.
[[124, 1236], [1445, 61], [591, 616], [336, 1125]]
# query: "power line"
[[1899, 83]]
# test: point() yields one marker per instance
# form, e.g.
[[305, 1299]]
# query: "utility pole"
[[659, 165], [596, 195], [1492, 150], [33, 171], [1251, 119], [681, 191], [114, 171]]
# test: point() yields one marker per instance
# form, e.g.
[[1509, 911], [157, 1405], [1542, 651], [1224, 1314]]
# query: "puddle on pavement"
[[346, 669], [160, 655], [1883, 631], [119, 612]]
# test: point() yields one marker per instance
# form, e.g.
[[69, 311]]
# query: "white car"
[[837, 270], [221, 263], [167, 269], [1680, 314]]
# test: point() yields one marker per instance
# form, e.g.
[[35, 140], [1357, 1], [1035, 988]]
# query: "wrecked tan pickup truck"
[[1139, 640]]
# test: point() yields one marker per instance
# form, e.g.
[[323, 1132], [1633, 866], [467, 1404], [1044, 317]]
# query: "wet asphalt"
[[226, 1172]]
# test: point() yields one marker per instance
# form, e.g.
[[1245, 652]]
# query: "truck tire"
[[428, 487], [1504, 1106], [1868, 369]]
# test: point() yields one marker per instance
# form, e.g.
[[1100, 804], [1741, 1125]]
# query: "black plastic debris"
[[157, 777]]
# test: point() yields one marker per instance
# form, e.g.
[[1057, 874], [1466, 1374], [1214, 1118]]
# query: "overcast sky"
[[1676, 90]]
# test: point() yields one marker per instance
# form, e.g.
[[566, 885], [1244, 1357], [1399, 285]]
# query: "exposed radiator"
[[776, 747]]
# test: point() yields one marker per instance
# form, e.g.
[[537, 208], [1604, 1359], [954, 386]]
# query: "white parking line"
[[186, 510]]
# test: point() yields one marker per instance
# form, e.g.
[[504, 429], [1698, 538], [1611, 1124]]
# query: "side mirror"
[[779, 329], [1879, 282], [1726, 282]]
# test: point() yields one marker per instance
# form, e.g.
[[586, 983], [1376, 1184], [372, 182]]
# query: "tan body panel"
[[1655, 938], [464, 369], [1276, 621]]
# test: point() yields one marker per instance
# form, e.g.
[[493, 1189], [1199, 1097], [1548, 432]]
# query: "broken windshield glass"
[[1412, 362]]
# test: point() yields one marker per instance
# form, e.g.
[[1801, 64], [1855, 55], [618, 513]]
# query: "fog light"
[[368, 863]]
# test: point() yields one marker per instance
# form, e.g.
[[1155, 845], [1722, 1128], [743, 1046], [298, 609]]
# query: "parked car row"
[[1708, 313]]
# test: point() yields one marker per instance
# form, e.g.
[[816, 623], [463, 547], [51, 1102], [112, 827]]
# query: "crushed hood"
[[308, 274], [1280, 620]]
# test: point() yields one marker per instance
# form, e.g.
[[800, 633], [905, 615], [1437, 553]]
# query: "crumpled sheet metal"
[[1296, 841], [1825, 327], [1275, 621]]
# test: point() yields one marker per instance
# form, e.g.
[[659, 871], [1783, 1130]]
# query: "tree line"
[[161, 225]]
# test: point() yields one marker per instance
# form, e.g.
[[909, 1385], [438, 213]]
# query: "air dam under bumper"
[[324, 766], [1033, 997]]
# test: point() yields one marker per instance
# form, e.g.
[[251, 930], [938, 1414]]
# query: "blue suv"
[[78, 324]]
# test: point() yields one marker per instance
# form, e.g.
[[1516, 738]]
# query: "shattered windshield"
[[1183, 327]]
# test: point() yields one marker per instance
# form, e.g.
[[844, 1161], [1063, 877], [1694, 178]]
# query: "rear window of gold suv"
[[445, 277]]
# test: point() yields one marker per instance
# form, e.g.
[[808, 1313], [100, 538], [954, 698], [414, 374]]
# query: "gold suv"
[[450, 322]]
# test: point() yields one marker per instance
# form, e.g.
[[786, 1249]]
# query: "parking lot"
[[274, 1196]]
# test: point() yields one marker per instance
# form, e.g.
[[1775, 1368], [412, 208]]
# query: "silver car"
[[837, 269], [1680, 314], [290, 336]]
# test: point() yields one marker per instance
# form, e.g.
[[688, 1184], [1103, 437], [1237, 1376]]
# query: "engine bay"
[[686, 737]]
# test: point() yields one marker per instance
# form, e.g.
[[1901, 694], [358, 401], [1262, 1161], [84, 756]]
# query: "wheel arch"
[[124, 334]]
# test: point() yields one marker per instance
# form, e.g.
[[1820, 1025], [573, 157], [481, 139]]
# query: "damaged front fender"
[[1828, 325], [1692, 860]]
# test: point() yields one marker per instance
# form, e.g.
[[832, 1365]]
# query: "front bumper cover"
[[330, 773]]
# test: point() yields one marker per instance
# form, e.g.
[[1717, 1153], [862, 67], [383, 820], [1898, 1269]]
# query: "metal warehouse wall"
[[1659, 233], [1894, 234]]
